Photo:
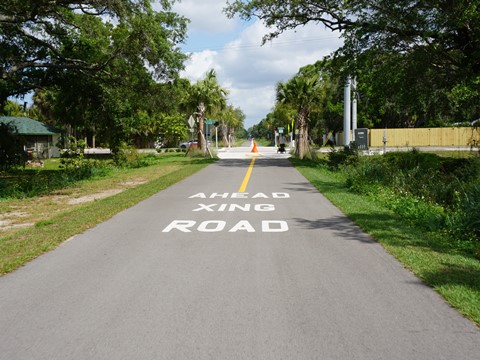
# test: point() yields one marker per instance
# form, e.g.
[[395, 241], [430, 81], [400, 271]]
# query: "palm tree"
[[206, 95], [231, 118], [303, 92]]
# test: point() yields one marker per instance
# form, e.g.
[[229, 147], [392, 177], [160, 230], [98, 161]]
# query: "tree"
[[289, 14], [172, 128], [262, 129], [143, 60], [145, 129], [447, 30], [430, 47], [13, 108], [41, 41], [205, 96], [283, 115], [302, 91], [231, 119], [11, 147]]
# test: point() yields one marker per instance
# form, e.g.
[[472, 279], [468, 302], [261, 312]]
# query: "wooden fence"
[[456, 136]]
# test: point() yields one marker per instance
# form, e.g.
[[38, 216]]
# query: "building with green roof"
[[41, 139]]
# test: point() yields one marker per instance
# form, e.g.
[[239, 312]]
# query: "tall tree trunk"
[[302, 146], [225, 134], [201, 121], [231, 135]]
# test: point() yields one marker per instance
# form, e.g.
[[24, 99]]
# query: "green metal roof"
[[26, 126]]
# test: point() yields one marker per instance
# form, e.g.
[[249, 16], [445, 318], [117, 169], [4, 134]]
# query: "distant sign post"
[[191, 121], [214, 123]]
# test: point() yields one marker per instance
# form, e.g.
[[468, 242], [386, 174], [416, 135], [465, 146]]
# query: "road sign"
[[210, 122], [280, 130], [191, 121]]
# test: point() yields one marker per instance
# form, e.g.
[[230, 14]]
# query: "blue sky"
[[233, 48]]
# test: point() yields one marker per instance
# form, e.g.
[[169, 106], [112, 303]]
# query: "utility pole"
[[346, 113], [354, 107]]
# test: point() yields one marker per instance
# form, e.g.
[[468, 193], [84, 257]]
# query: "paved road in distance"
[[204, 271]]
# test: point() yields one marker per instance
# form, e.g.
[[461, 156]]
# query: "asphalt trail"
[[202, 270]]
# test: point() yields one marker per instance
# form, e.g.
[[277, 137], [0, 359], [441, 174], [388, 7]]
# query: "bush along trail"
[[423, 208]]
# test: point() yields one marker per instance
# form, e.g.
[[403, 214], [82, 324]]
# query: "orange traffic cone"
[[254, 149]]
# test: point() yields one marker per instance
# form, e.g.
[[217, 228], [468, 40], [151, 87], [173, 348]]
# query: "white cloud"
[[205, 15], [255, 102], [200, 63], [248, 70]]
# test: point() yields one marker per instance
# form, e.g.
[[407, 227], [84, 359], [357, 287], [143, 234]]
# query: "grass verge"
[[452, 272], [24, 245]]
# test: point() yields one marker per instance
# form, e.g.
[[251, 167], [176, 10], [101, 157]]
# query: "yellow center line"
[[243, 187]]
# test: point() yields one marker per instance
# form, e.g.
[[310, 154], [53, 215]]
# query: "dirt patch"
[[9, 220], [13, 214], [93, 197], [24, 213], [134, 182], [16, 219], [60, 199], [15, 226]]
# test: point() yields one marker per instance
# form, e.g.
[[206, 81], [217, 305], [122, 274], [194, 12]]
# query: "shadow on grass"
[[326, 184], [329, 186], [467, 277], [390, 229]]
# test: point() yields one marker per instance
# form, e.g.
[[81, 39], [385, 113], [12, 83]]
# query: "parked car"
[[186, 145], [194, 143]]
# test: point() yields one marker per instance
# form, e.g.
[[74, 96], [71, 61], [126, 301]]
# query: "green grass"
[[263, 142], [24, 245], [445, 266], [457, 154]]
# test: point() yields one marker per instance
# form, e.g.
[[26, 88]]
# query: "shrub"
[[11, 147], [126, 156], [33, 182], [464, 222], [73, 160], [337, 158], [433, 192], [412, 159]]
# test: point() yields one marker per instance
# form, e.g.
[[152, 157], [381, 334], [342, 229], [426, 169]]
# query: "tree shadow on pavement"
[[382, 226], [458, 281], [338, 225]]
